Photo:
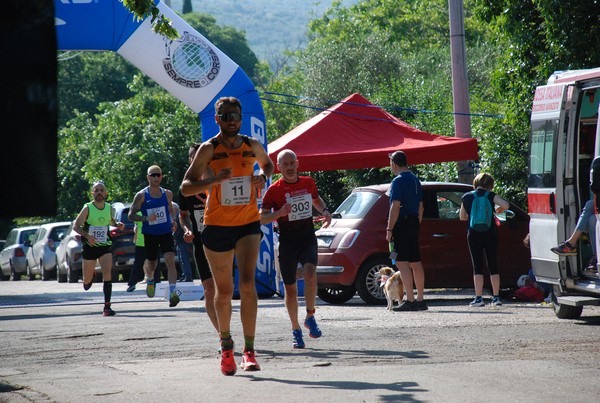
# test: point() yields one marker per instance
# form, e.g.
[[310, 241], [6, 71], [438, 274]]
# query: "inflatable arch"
[[190, 68]]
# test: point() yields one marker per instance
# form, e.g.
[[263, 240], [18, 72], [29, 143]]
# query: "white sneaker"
[[496, 301], [477, 302]]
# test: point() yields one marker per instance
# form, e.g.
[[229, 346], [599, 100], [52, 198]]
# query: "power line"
[[395, 108]]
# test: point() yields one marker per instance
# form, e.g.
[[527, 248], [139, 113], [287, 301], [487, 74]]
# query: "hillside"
[[271, 26]]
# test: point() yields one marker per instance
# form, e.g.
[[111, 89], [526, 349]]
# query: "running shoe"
[[88, 286], [150, 288], [496, 301], [477, 302], [108, 311], [131, 288], [406, 306], [421, 306], [298, 341], [592, 264], [174, 298], [313, 329], [249, 361], [565, 249], [228, 366]]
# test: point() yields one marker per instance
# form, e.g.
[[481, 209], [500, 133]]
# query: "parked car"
[[68, 257], [354, 247], [41, 256], [123, 248], [12, 257]]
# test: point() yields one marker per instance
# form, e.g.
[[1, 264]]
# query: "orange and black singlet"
[[232, 202]]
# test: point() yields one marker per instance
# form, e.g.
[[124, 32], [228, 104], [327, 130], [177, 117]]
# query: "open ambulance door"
[[550, 188]]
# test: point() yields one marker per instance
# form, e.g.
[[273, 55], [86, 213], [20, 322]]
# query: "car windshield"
[[357, 204]]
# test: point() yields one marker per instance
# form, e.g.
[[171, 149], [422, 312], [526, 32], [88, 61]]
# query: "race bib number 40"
[[161, 215], [236, 191], [301, 207]]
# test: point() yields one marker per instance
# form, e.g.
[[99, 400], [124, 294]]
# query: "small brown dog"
[[393, 288]]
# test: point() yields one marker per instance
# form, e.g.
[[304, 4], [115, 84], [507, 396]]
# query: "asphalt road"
[[57, 347]]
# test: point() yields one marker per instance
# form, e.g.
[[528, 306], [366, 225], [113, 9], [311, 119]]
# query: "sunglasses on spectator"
[[155, 175], [230, 117]]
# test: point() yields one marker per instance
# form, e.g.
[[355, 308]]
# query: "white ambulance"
[[565, 138]]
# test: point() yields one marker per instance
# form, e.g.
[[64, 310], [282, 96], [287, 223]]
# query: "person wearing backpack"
[[482, 235]]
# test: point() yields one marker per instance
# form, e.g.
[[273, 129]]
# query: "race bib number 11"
[[236, 191]]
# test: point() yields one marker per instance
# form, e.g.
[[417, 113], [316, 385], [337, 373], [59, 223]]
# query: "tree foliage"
[[128, 136], [146, 8], [88, 78], [397, 55], [228, 39], [533, 39]]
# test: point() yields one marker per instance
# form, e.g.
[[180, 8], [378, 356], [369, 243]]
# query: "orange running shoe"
[[228, 366], [249, 361]]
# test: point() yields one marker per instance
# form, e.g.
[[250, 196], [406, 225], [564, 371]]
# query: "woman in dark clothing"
[[483, 243]]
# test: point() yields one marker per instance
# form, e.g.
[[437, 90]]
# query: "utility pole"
[[460, 85]]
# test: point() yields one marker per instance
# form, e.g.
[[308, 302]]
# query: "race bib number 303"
[[236, 191], [301, 207]]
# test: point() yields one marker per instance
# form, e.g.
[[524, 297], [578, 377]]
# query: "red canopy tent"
[[356, 134]]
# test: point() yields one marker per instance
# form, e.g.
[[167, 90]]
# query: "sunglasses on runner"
[[230, 117], [155, 175]]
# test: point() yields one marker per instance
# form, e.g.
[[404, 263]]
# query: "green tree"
[[228, 39], [86, 79], [397, 55], [73, 155], [534, 39], [121, 142]]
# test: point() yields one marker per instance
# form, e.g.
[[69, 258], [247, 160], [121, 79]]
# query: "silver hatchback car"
[[68, 257], [12, 257], [41, 256]]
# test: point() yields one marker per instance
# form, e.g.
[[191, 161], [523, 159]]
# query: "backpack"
[[480, 218]]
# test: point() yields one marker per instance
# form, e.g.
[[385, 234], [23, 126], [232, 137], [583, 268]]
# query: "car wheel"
[[72, 275], [564, 311], [14, 276], [45, 274], [2, 276], [336, 296], [60, 277], [367, 280], [30, 275]]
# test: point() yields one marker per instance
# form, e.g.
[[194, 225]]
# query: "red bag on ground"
[[529, 293]]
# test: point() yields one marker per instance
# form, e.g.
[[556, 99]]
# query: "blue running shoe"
[[298, 341], [477, 302], [313, 329]]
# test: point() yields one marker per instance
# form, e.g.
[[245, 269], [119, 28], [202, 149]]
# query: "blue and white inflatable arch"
[[190, 68]]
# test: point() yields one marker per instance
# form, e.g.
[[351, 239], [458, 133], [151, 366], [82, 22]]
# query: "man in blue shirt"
[[404, 219]]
